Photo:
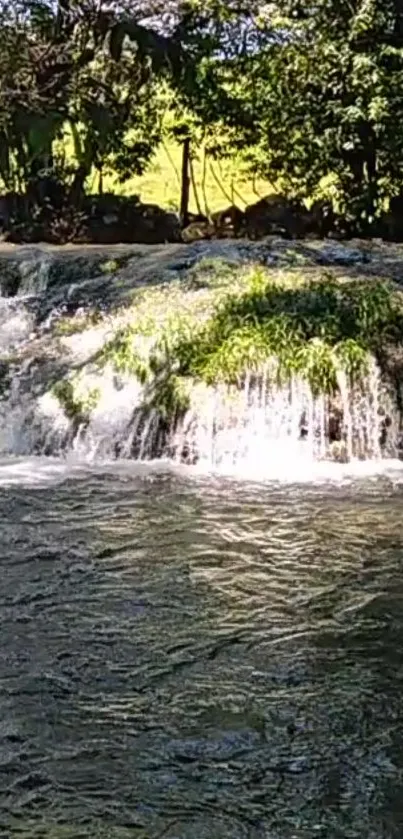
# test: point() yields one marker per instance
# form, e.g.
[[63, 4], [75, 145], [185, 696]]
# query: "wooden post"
[[185, 184]]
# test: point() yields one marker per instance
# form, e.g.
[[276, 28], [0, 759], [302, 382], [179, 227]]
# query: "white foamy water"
[[264, 427], [261, 429], [16, 324]]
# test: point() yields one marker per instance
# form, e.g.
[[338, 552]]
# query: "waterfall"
[[263, 423], [259, 424]]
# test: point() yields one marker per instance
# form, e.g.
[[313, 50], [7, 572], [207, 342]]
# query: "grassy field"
[[224, 182]]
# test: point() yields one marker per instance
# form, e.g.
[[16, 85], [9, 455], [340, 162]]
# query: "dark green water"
[[196, 658]]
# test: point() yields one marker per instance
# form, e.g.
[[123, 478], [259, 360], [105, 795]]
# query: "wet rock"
[[10, 278], [338, 254]]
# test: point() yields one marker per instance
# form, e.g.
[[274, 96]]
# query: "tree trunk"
[[40, 181], [194, 187], [76, 192], [185, 184]]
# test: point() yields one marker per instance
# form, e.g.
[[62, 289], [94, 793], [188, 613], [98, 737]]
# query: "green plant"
[[66, 326], [284, 325], [76, 407], [110, 266], [121, 353], [170, 396], [310, 328]]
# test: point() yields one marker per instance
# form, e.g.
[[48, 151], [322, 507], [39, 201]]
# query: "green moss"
[[170, 396], [312, 328], [121, 352], [72, 325], [211, 273], [110, 266], [285, 323], [76, 406]]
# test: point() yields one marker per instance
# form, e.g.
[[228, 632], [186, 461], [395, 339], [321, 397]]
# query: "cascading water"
[[260, 424], [264, 424]]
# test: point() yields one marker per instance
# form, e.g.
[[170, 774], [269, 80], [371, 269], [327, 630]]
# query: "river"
[[197, 657]]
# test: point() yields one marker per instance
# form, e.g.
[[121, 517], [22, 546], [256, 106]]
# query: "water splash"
[[16, 324], [265, 425], [261, 426]]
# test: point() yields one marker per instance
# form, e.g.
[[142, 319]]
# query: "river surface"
[[199, 658]]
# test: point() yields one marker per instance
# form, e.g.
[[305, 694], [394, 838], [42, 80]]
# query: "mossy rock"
[[310, 327], [76, 406]]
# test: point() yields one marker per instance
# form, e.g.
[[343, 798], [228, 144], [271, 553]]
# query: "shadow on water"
[[193, 658]]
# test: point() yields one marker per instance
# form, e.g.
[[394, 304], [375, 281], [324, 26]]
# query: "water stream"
[[188, 655], [195, 657], [260, 426]]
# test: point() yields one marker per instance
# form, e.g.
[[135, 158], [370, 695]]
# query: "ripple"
[[190, 657]]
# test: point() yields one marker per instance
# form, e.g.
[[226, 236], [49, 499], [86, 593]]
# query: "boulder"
[[100, 219], [391, 223], [197, 231], [322, 218], [193, 217], [228, 223], [116, 219], [12, 207], [276, 214], [108, 204]]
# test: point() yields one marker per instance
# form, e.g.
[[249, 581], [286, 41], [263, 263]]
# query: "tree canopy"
[[310, 93]]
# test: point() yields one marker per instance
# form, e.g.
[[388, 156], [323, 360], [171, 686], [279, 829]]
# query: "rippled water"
[[189, 657]]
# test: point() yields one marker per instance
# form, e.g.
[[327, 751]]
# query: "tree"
[[312, 93], [91, 67]]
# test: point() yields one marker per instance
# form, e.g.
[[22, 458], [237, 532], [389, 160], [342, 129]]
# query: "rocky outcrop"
[[198, 230], [228, 223], [276, 215], [70, 355], [223, 224], [391, 224], [100, 219], [112, 219]]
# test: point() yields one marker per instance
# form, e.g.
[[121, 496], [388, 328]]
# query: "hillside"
[[225, 182]]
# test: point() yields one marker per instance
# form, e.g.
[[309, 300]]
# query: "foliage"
[[165, 390], [66, 326], [92, 70], [169, 395], [307, 95], [321, 100], [121, 353], [312, 329], [76, 406]]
